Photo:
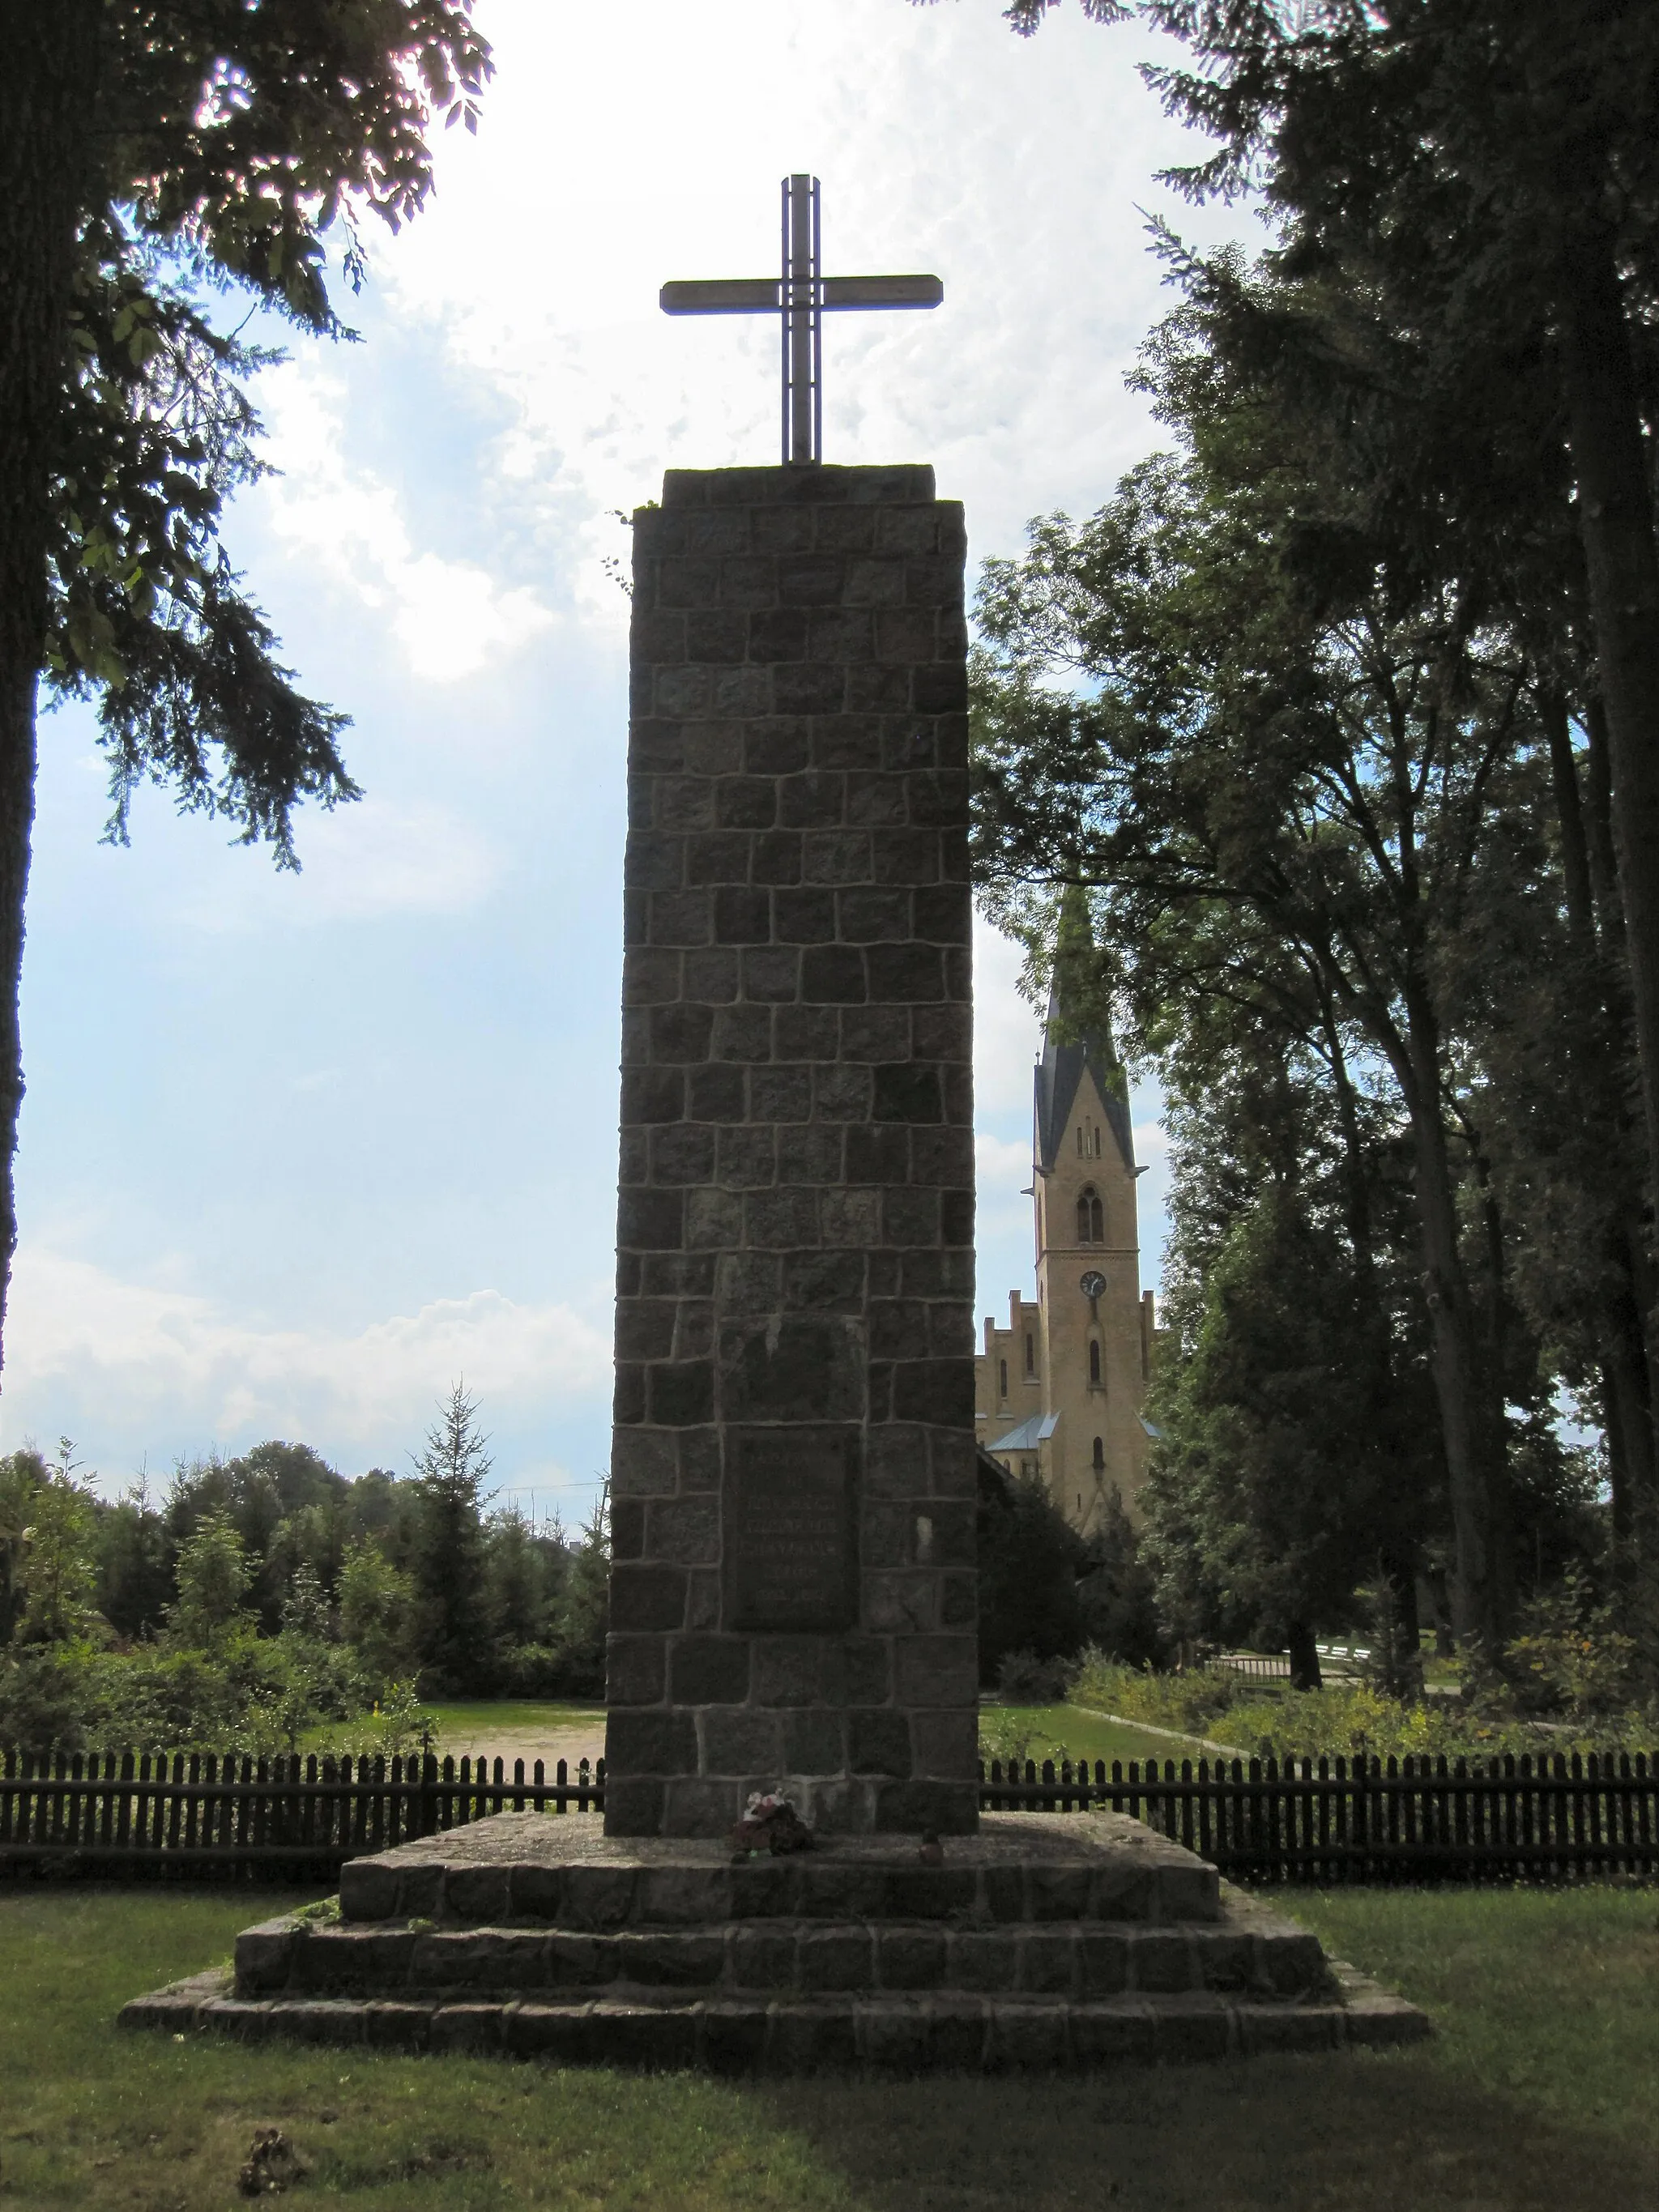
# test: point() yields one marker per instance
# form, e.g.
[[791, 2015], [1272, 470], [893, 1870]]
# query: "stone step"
[[887, 2032], [562, 1871], [1250, 1950]]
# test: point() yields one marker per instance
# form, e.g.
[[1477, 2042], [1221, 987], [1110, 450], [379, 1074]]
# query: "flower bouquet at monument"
[[771, 1823]]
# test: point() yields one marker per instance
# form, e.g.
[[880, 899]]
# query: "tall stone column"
[[792, 1477]]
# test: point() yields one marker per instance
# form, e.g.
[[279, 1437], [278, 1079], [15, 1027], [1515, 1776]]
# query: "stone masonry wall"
[[792, 1487]]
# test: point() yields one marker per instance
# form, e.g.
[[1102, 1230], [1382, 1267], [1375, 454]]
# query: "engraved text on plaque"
[[789, 1530]]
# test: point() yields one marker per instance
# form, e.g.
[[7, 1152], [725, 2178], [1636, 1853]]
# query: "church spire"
[[1078, 1036]]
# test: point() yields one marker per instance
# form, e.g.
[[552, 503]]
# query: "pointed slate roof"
[[1034, 1429], [1058, 1075]]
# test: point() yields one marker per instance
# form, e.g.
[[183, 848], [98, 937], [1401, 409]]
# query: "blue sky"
[[299, 1152]]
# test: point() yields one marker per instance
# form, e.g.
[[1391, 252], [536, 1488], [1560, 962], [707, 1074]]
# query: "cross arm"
[[761, 295], [882, 292], [722, 296]]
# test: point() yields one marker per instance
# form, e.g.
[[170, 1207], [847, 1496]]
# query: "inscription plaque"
[[790, 1553]]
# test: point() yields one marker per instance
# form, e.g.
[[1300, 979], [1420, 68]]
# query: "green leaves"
[[228, 140]]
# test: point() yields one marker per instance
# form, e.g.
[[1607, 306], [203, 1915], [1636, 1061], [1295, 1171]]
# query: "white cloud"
[[1152, 1141], [1016, 169], [146, 1356], [434, 556], [449, 618], [374, 857], [1008, 1035]]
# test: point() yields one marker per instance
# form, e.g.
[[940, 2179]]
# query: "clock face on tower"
[[1092, 1283]]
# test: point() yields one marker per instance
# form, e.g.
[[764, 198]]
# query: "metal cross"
[[800, 298]]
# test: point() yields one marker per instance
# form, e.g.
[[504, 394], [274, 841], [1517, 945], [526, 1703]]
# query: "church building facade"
[[1058, 1392]]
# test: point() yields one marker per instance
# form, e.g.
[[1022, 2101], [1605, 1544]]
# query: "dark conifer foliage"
[[154, 155], [448, 1558], [1449, 350]]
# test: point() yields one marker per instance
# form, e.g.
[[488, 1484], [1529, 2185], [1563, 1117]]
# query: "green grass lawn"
[[1537, 2095], [476, 1727], [1085, 1736], [488, 1726]]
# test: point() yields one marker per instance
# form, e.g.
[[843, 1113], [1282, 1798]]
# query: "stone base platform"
[[1043, 1941]]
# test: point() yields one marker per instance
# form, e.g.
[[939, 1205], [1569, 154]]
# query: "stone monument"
[[792, 1599], [792, 1474]]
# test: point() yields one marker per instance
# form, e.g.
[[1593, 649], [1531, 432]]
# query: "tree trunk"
[[1305, 1657], [1481, 1579], [1627, 1370], [1615, 519], [1598, 831], [48, 82], [1569, 817]]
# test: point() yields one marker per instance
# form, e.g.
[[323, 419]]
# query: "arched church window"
[[1096, 1140], [1094, 1360], [1100, 1457], [1031, 1353], [1079, 1137], [1002, 1378], [1090, 1217]]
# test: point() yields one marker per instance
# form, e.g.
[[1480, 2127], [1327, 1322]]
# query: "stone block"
[[1270, 2028], [878, 1743], [535, 1892], [369, 1890], [642, 2038], [911, 1958], [763, 1957], [937, 1670], [741, 1739], [733, 2038], [835, 1959], [686, 1532], [1119, 1889], [336, 2021], [669, 1960], [895, 2034], [558, 2033], [1057, 1893], [950, 1808], [1289, 1962], [464, 2030], [706, 1670], [1192, 2027], [763, 1889], [1160, 1960], [1103, 2034], [1048, 1961], [651, 1742], [698, 1805], [1103, 1961], [264, 1956], [814, 1740], [811, 2039], [646, 1598], [391, 2024], [1029, 2038], [1224, 1962], [827, 1889], [633, 1804]]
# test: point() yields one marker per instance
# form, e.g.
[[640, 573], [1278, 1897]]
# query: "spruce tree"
[[452, 1627]]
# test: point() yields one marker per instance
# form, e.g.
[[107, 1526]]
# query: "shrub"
[[1025, 1679]]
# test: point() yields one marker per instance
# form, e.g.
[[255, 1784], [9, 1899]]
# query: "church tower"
[[1059, 1391]]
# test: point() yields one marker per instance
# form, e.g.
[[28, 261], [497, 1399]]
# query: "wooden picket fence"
[[198, 1817], [1368, 1819], [201, 1816]]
